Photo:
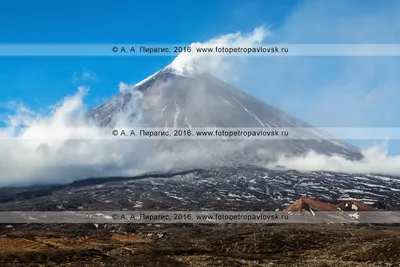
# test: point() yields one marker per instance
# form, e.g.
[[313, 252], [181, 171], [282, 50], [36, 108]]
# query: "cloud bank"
[[63, 145], [375, 160]]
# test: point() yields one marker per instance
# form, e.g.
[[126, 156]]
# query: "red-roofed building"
[[308, 204]]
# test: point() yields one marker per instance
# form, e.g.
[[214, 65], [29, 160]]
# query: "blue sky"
[[322, 91], [41, 81]]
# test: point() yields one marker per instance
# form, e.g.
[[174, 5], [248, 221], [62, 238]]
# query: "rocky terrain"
[[245, 188], [199, 245]]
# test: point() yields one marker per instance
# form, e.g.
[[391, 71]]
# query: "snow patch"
[[312, 212], [251, 114], [147, 79], [138, 205], [178, 111], [187, 122]]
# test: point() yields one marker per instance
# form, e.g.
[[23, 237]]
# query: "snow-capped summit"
[[184, 64], [147, 79], [175, 68], [183, 69]]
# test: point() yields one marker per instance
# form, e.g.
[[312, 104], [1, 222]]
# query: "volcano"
[[228, 180], [186, 97]]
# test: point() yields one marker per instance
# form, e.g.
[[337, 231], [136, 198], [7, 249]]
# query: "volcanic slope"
[[175, 98]]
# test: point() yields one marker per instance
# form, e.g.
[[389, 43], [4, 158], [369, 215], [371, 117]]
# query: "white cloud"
[[220, 65], [123, 87], [84, 76], [46, 150], [375, 160], [50, 149]]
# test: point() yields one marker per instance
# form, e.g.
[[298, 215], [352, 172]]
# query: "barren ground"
[[199, 245]]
